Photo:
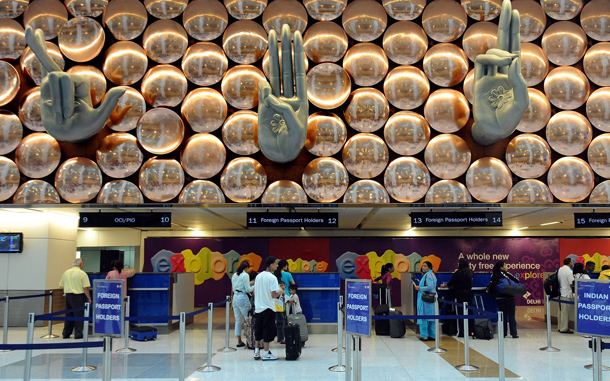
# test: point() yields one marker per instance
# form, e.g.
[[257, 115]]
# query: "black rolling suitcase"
[[398, 328], [292, 336], [382, 327]]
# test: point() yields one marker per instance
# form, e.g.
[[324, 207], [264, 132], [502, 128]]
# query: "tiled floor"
[[383, 358]]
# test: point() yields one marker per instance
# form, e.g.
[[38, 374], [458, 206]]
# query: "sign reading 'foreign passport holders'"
[[592, 220], [455, 219], [358, 307], [292, 220], [125, 220], [108, 307], [592, 307]]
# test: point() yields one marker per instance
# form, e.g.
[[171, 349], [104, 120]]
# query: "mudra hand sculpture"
[[500, 91], [66, 108], [282, 117]]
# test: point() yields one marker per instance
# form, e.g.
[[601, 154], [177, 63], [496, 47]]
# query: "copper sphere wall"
[[390, 91]]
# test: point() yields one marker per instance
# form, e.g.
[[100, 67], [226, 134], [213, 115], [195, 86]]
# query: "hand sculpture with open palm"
[[66, 108], [500, 91], [282, 116]]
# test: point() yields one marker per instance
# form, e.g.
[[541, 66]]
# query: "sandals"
[[239, 345]]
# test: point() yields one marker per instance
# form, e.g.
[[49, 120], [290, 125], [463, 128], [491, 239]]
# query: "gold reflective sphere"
[[325, 10], [161, 180], [97, 81], [528, 156], [204, 156], [325, 41], [488, 180], [244, 41], [405, 42], [366, 63], [243, 180], [328, 86], [406, 179], [601, 193], [78, 180], [447, 156], [12, 8], [325, 179], [446, 64], [482, 10], [240, 133], [569, 133], [164, 85], [88, 8], [367, 110], [12, 39], [126, 19], [570, 179], [165, 41], [120, 192], [125, 63], [204, 109], [364, 20], [245, 9], [407, 133], [37, 155], [36, 192], [533, 19], [81, 39], [598, 155], [567, 87], [406, 87], [537, 114], [284, 192], [447, 110], [366, 192], [29, 110], [127, 112], [31, 65], [205, 20], [9, 178], [595, 20], [160, 131], [564, 42], [598, 109], [479, 38], [165, 9], [240, 86], [11, 132], [597, 64], [534, 64], [468, 86], [404, 9], [365, 156], [289, 12], [446, 192], [444, 20], [326, 134], [119, 155], [530, 192], [201, 192], [204, 63], [562, 9], [9, 87], [48, 15]]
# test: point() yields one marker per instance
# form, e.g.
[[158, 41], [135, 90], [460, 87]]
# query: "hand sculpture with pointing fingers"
[[66, 108], [500, 91], [282, 115]]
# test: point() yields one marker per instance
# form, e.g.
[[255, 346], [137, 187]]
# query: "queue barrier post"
[[50, 334], [339, 314], [227, 348], [208, 366], [126, 348], [84, 367], [28, 352], [466, 367], [348, 357], [597, 358], [501, 372], [437, 348], [593, 354], [339, 367], [107, 358], [549, 346], [182, 344], [5, 324]]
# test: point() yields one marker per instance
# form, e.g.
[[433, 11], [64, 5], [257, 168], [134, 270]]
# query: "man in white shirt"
[[266, 288], [566, 278]]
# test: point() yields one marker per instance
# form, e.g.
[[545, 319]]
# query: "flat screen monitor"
[[11, 242]]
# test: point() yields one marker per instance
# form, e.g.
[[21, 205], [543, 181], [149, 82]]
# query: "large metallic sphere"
[[564, 42], [240, 133], [240, 86], [528, 156], [81, 39], [489, 180], [9, 178], [446, 64], [245, 9], [243, 180], [598, 155], [562, 9], [284, 192], [407, 133], [482, 10], [326, 134], [601, 193], [570, 179], [12, 39], [407, 179], [125, 63], [48, 15], [38, 155], [444, 20], [365, 156], [534, 64], [325, 41], [205, 20], [165, 9], [126, 19], [88, 8], [597, 64], [598, 109], [367, 110], [567, 87], [325, 179], [479, 38], [404, 9], [160, 131], [78, 180], [29, 109], [446, 192], [406, 87], [204, 63], [447, 110], [11, 132], [244, 41], [119, 155], [161, 180], [120, 192], [366, 192], [203, 156], [569, 133], [164, 85], [595, 20], [364, 20], [533, 19], [127, 112], [204, 109], [10, 82], [325, 10], [447, 156], [405, 42], [13, 8], [36, 192], [201, 192], [328, 86], [366, 63], [537, 114], [31, 65], [530, 191], [289, 12]]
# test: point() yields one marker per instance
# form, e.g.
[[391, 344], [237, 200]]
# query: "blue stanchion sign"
[[592, 307], [108, 307], [358, 307]]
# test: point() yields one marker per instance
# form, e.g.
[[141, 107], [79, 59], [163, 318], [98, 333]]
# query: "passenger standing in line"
[[283, 274], [566, 279], [266, 288], [75, 283], [280, 314], [428, 283], [119, 272], [605, 273], [386, 282], [590, 267], [461, 282], [506, 303], [579, 271], [240, 282]]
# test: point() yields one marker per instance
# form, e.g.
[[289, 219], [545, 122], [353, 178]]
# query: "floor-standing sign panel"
[[108, 307], [358, 307], [592, 307]]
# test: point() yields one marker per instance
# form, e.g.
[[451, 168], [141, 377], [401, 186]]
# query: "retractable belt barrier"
[[6, 301], [30, 296], [561, 301], [45, 346]]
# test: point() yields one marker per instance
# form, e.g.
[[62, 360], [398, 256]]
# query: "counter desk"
[[319, 295]]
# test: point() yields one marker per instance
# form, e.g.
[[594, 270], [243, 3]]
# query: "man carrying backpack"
[[566, 279]]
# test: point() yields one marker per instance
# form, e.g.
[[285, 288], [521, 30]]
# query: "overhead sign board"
[[592, 220], [358, 307], [292, 220], [108, 307], [592, 307], [455, 219], [125, 220]]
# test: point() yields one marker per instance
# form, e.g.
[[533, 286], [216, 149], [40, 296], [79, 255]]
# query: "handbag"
[[509, 287], [427, 296]]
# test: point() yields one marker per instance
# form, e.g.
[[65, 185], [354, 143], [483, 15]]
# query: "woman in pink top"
[[120, 273]]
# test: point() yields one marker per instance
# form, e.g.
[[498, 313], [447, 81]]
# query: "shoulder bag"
[[427, 296]]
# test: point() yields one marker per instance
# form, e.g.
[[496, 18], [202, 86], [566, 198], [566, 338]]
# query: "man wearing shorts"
[[266, 288]]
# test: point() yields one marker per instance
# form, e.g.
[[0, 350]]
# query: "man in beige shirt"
[[76, 289]]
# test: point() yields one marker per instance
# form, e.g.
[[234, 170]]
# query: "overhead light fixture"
[[413, 228], [551, 223], [523, 228]]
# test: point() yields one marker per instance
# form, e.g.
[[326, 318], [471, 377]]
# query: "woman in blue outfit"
[[428, 283]]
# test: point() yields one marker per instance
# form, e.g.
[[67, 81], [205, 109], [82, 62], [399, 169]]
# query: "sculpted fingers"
[[287, 80], [102, 113], [264, 90], [515, 33], [299, 66], [36, 42], [274, 60], [504, 26], [67, 96]]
